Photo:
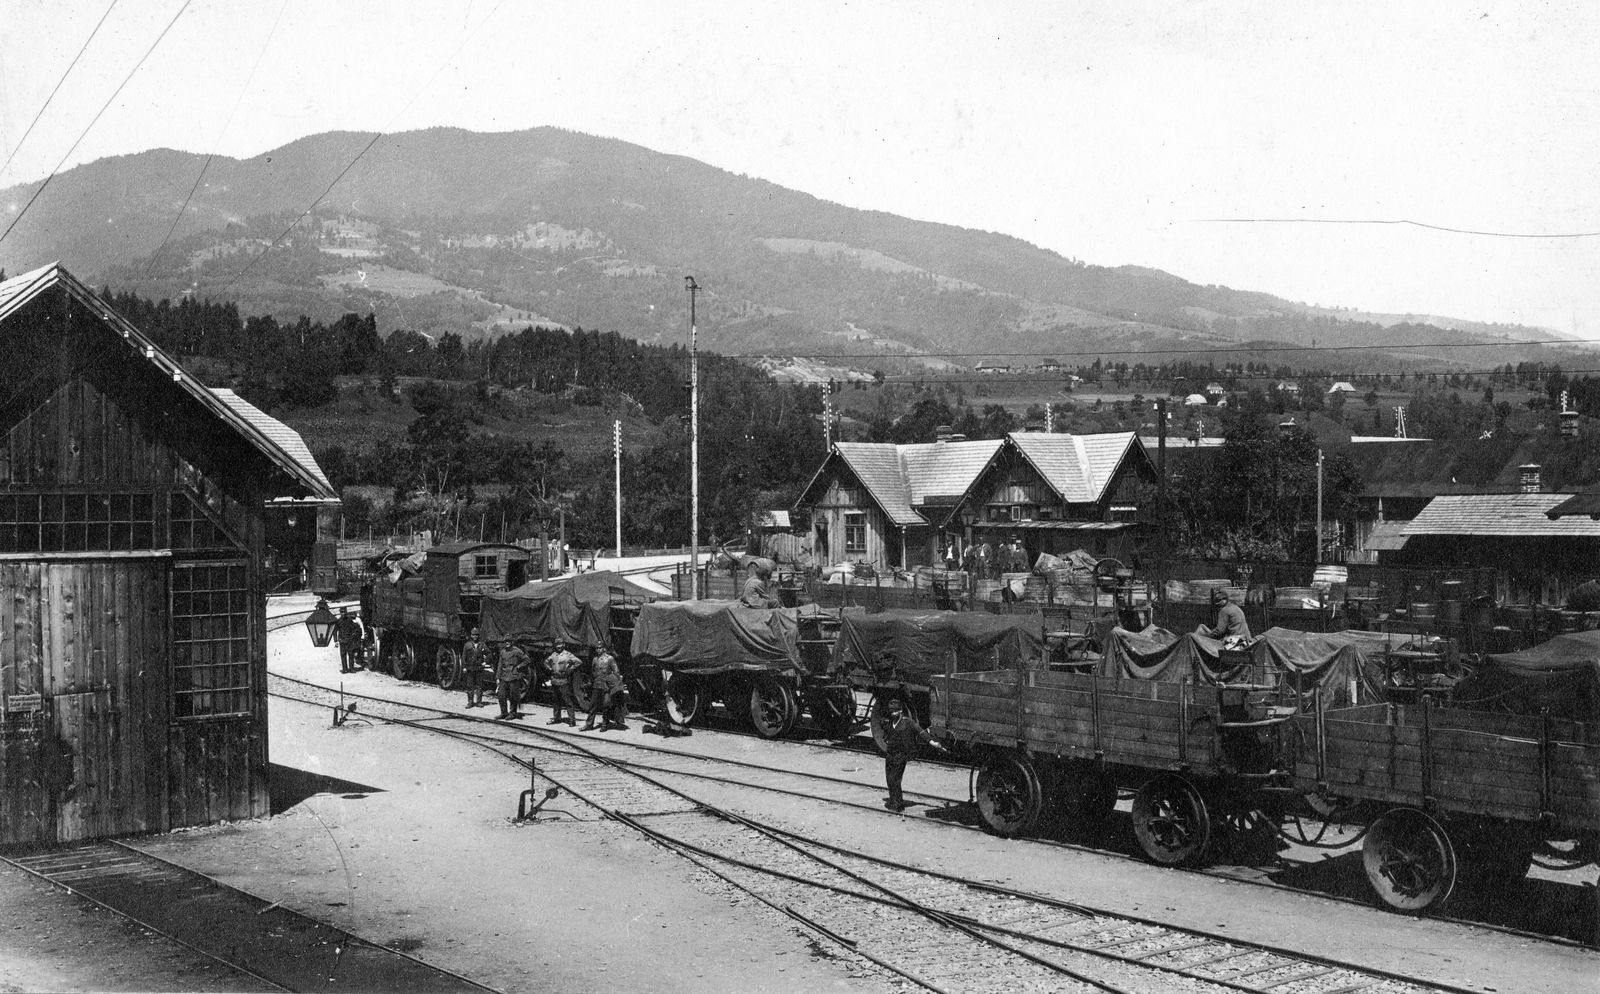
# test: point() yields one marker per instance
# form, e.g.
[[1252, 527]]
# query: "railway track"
[[276, 947], [936, 931]]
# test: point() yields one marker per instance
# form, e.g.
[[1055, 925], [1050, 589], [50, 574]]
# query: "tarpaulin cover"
[[1562, 675], [921, 641], [573, 609], [710, 637], [1302, 659]]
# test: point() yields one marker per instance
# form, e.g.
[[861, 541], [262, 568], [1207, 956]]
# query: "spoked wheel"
[[834, 711], [447, 667], [682, 698], [1009, 795], [404, 659], [773, 708], [1171, 822], [1409, 860], [386, 652]]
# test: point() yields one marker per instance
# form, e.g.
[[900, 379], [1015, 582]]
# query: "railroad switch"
[[342, 711], [527, 808]]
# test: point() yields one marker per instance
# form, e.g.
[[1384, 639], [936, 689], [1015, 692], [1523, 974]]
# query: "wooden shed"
[[132, 611]]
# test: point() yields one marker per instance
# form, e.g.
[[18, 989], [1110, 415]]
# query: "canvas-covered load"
[[574, 609], [1304, 660], [920, 642], [710, 637], [1561, 675]]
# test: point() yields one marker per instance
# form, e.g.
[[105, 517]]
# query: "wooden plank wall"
[[1475, 763]]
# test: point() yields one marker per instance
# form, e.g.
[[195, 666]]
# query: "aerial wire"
[[226, 124], [1402, 220], [57, 89], [367, 148], [102, 110], [1198, 350]]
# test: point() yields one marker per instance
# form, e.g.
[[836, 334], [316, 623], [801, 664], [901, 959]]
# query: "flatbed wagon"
[[1440, 792]]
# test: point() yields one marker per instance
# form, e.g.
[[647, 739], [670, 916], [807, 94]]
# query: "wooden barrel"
[[1424, 612]]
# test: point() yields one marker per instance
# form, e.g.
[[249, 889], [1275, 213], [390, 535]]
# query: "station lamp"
[[320, 624]]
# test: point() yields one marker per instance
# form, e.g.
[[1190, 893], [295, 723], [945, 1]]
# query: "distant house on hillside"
[[1343, 386], [1215, 390], [991, 367], [1195, 400], [1049, 366], [1288, 388]]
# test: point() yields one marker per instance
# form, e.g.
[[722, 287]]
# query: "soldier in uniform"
[[474, 670], [1231, 622], [560, 666], [607, 692], [347, 632], [905, 735], [511, 663]]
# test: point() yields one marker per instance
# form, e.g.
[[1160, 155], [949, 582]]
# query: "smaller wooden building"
[[133, 654]]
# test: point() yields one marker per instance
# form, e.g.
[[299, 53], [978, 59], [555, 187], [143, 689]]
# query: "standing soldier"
[[474, 670], [561, 665], [505, 673], [905, 735], [607, 692], [347, 631]]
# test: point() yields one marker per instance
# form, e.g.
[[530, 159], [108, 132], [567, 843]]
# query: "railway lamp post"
[[320, 624]]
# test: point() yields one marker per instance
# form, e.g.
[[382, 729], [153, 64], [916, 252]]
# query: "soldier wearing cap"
[[347, 631], [1230, 619], [561, 665], [904, 736], [474, 670], [511, 666], [755, 593]]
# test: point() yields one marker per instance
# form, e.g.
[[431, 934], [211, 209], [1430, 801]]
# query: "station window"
[[77, 522], [210, 640], [192, 528], [855, 533], [485, 567]]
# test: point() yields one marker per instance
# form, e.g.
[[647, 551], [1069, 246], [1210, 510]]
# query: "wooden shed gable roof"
[[266, 434]]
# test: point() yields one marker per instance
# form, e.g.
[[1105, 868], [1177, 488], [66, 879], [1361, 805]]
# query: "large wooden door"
[[83, 669]]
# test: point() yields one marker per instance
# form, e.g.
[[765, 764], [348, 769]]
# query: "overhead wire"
[[46, 106], [214, 145], [365, 149], [31, 200], [1198, 350], [1391, 221]]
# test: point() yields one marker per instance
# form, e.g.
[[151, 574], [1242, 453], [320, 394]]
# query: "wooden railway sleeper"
[[1295, 978]]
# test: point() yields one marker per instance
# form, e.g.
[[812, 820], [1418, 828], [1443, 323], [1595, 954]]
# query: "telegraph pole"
[[1319, 506], [616, 445], [694, 445]]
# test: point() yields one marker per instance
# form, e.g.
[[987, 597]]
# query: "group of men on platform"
[[508, 666], [985, 562]]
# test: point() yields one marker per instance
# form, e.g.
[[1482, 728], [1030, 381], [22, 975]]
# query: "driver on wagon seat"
[[1230, 619]]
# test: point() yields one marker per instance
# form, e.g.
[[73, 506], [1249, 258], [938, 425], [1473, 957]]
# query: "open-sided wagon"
[[892, 655], [591, 610], [695, 653]]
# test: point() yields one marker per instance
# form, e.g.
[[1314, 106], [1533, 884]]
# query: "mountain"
[[450, 230]]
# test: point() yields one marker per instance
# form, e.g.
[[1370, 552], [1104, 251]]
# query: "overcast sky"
[[1111, 132]]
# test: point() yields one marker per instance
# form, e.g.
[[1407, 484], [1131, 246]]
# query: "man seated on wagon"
[[1230, 619], [755, 592]]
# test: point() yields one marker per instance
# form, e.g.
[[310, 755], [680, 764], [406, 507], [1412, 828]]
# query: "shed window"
[[485, 567], [192, 528], [77, 522], [855, 533], [210, 640]]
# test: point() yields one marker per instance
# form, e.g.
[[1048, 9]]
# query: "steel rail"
[[796, 841]]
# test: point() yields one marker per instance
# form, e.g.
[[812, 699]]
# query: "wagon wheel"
[[404, 659], [447, 667], [682, 699], [1009, 795], [834, 711], [583, 688], [537, 675], [772, 707], [1171, 822], [1409, 860], [1250, 834]]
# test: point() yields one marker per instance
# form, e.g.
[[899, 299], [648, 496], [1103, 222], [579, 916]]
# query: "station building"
[[133, 505]]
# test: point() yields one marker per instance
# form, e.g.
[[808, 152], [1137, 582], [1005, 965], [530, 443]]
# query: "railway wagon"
[[892, 654], [692, 653], [593, 610], [423, 618]]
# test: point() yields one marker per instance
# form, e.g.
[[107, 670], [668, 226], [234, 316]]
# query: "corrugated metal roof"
[[1500, 514], [1387, 536], [17, 292]]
